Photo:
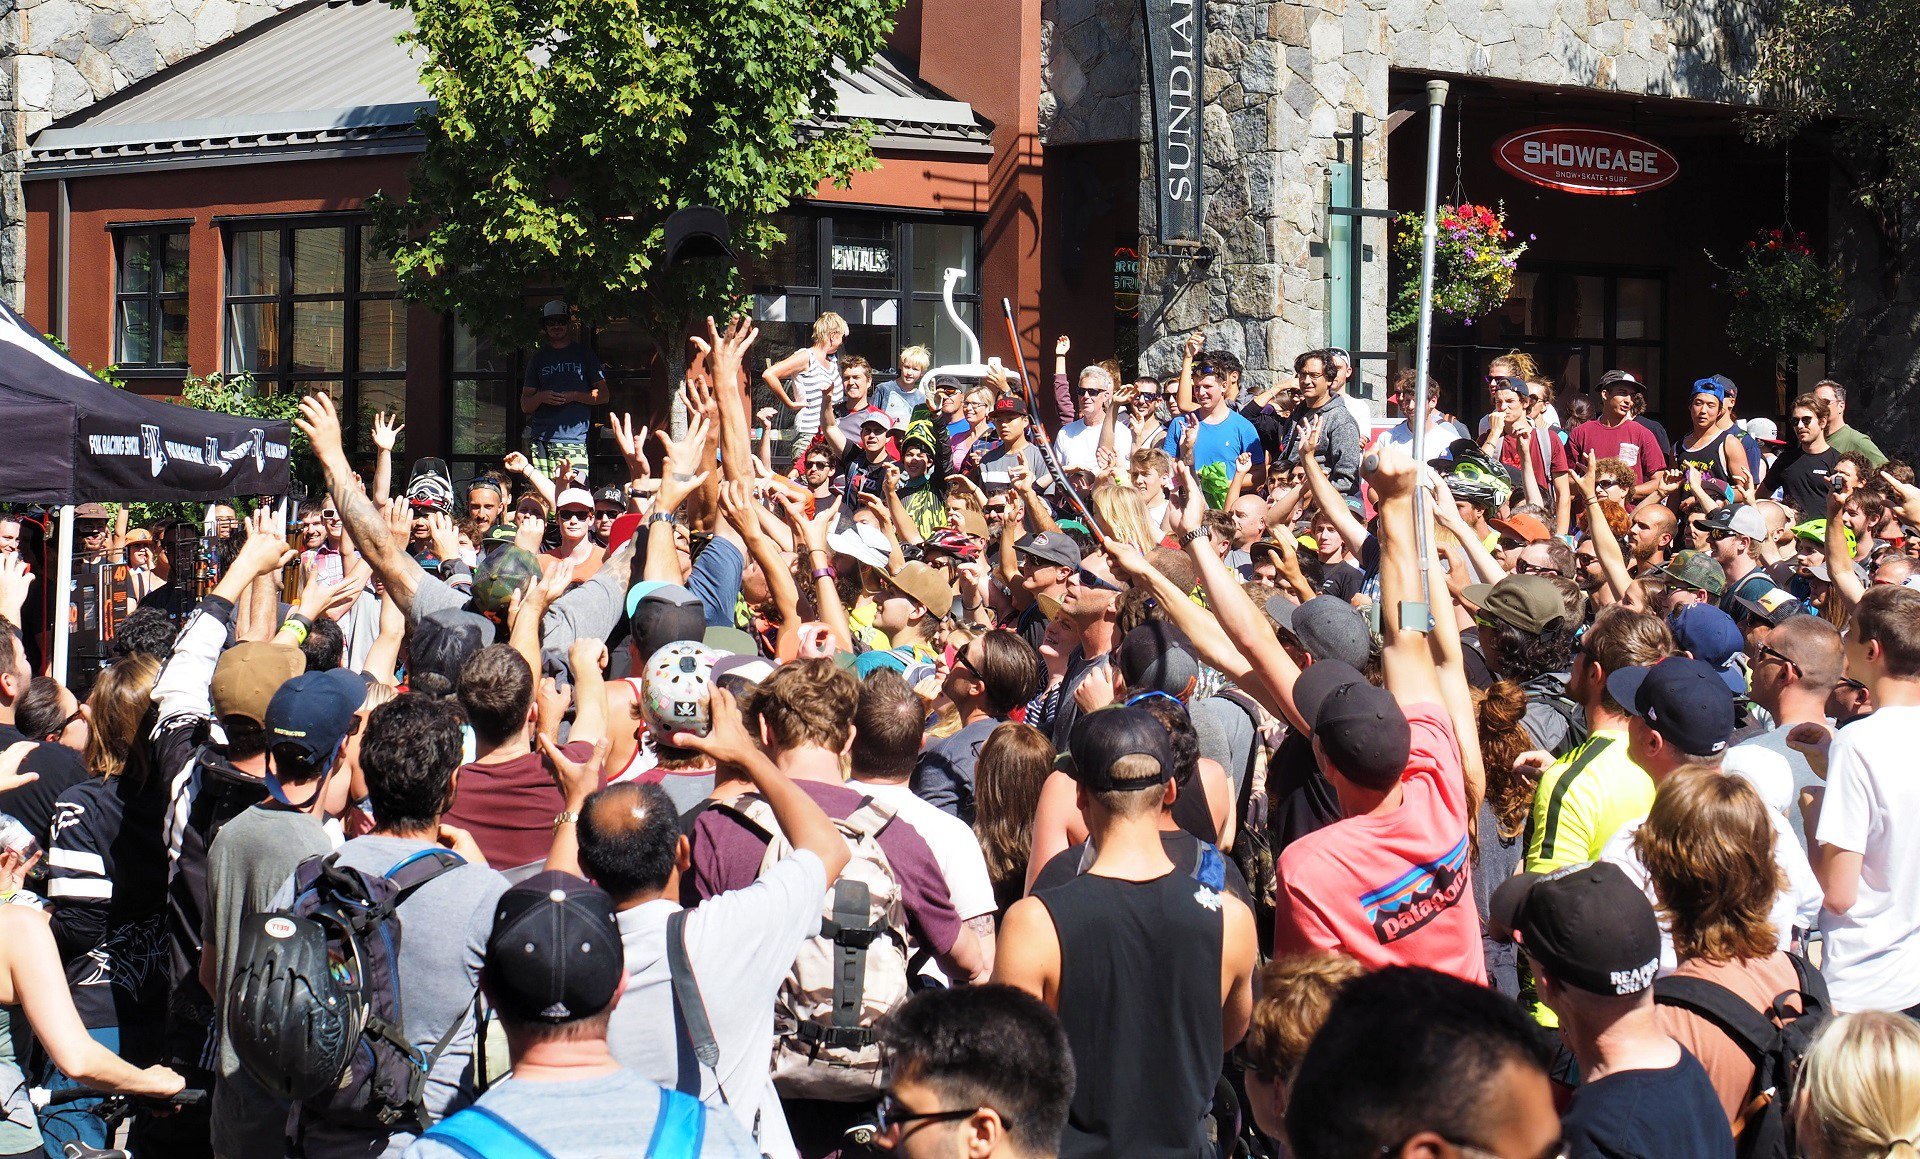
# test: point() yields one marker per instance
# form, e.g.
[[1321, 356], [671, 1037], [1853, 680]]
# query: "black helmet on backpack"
[[294, 1021]]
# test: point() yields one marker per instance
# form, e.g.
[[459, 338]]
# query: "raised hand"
[[726, 739], [1906, 497], [1192, 510], [632, 444], [266, 548], [682, 469], [517, 463], [321, 424], [576, 780], [1062, 345], [16, 579], [1196, 342], [446, 540], [319, 598], [386, 432], [1588, 480]]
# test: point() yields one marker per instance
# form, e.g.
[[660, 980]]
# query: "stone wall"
[[1091, 75], [59, 56]]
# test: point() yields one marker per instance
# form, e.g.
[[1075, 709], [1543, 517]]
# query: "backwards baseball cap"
[[1508, 382], [660, 614], [1710, 635], [1764, 430], [1742, 519], [1715, 386], [1051, 547], [1697, 570], [1524, 527], [1684, 700], [554, 952], [1530, 603], [1328, 627], [501, 573], [1619, 382], [863, 542], [1157, 657], [1588, 925], [1100, 739], [248, 675], [443, 640], [312, 715], [1360, 728]]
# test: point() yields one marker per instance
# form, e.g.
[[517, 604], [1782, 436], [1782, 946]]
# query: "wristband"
[[823, 573], [1197, 533], [301, 625], [662, 517]]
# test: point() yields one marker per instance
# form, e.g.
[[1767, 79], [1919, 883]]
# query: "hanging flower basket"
[[1473, 259], [1784, 299]]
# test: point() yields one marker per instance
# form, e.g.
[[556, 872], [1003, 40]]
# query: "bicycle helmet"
[[677, 684], [295, 1021], [1476, 480]]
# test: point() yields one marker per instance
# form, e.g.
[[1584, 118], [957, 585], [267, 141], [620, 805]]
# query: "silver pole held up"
[[63, 594], [1423, 341]]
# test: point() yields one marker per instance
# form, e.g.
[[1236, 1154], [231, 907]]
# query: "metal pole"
[[63, 595], [1423, 341]]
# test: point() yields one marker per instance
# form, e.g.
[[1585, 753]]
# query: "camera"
[[1837, 484]]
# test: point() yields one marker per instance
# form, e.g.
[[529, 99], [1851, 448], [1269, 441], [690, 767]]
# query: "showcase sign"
[[1173, 75], [1576, 159]]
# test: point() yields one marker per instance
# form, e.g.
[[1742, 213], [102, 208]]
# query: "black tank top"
[[1140, 999], [1705, 459]]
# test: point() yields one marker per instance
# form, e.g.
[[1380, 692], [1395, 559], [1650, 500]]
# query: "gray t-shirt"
[[251, 858], [741, 944], [1225, 734], [609, 1116], [943, 776], [443, 940], [997, 466]]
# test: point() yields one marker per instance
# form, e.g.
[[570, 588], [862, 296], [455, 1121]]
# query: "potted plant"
[[1784, 301], [1473, 258]]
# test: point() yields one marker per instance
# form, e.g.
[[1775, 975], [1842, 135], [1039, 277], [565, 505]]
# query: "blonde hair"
[[115, 709], [1860, 1088], [919, 356], [1125, 512], [1707, 844], [827, 325], [1519, 365], [1296, 994]]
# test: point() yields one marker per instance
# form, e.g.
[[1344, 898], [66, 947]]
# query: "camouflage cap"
[[1696, 570], [501, 574]]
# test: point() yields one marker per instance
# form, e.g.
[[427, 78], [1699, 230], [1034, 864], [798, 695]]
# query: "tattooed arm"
[[364, 523]]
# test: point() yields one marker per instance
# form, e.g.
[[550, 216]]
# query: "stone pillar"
[[59, 56]]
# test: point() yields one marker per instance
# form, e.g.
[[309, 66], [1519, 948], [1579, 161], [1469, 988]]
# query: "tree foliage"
[[1851, 65], [565, 132]]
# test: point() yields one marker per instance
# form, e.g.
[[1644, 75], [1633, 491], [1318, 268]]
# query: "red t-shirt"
[[1392, 889], [509, 807], [1548, 464], [1629, 442]]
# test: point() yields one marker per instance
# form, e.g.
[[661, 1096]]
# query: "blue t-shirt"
[[1221, 442], [571, 367], [716, 580], [1672, 1113]]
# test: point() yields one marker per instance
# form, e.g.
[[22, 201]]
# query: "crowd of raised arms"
[[1195, 775]]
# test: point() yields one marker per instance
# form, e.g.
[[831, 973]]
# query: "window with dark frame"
[[311, 305], [150, 297]]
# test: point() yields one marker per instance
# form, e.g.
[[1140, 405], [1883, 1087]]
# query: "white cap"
[[575, 497], [1763, 430], [865, 543]]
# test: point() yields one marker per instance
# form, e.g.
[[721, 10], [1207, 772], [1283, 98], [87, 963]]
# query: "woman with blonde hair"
[[813, 369], [1125, 513], [1859, 1094], [1707, 847]]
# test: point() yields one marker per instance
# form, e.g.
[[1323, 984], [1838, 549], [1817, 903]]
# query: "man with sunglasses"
[[1078, 443], [1734, 535], [564, 381], [574, 510], [1791, 674], [1801, 472], [983, 1071]]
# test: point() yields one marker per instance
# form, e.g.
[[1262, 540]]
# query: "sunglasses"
[[1522, 567], [1849, 682], [1089, 580], [1612, 484], [1776, 654], [818, 465], [1802, 420], [575, 516]]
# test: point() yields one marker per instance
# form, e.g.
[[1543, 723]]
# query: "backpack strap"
[[477, 1133], [690, 1011], [1210, 868], [421, 866], [851, 931], [679, 1127], [1750, 1028]]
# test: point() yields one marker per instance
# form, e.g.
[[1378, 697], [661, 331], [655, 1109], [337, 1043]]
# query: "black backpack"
[[1776, 1039], [315, 1010]]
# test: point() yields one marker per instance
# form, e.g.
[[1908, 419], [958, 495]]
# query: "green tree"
[[566, 131], [1849, 66]]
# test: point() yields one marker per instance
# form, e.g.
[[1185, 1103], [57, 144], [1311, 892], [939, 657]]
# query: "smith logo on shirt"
[[1417, 896]]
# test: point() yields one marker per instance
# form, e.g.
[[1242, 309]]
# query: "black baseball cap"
[[1100, 739], [554, 953], [1588, 925], [611, 495], [1683, 699], [1157, 657], [1360, 728]]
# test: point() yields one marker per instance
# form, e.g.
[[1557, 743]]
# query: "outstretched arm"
[[1408, 658], [392, 566]]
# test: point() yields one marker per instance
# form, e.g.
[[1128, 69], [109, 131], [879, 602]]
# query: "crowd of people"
[[1140, 768]]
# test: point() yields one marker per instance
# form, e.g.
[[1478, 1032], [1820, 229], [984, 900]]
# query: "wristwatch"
[[662, 517], [1197, 533], [569, 817]]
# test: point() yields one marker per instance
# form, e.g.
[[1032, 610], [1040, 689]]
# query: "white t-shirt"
[[1803, 774], [1077, 443], [741, 945], [1362, 414], [1872, 808], [1440, 435], [955, 849]]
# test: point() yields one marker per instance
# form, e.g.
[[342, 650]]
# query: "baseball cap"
[[1360, 728], [1622, 379], [555, 309], [554, 952], [925, 586], [1008, 405], [1743, 519], [1508, 382], [92, 511], [573, 497], [611, 495], [660, 614], [1765, 430], [747, 670], [1100, 739], [1328, 627], [248, 675], [312, 714], [1530, 603], [677, 688], [623, 530], [1522, 526], [1771, 604], [732, 641], [879, 418], [139, 535], [698, 231], [1710, 635], [501, 574], [1050, 547], [973, 523], [1682, 699], [443, 640], [1587, 924], [1695, 569], [1715, 386], [1157, 657], [863, 542]]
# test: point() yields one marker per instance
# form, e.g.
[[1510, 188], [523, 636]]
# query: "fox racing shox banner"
[[1174, 53]]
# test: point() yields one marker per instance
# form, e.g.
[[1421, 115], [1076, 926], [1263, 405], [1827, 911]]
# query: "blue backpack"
[[477, 1133]]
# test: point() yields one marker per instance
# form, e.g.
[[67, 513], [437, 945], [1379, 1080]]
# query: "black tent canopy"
[[68, 438]]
